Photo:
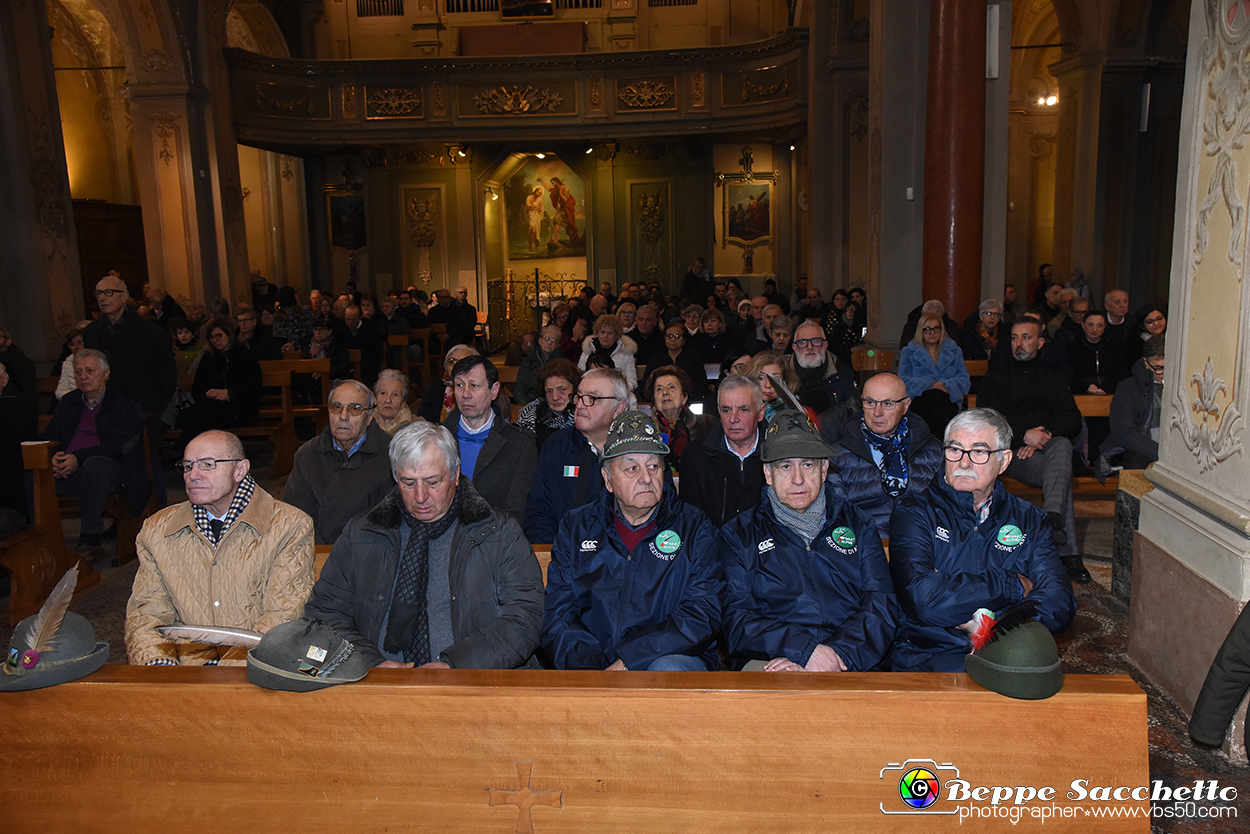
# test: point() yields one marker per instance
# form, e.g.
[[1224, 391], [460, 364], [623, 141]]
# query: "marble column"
[[954, 169], [824, 140], [1191, 561]]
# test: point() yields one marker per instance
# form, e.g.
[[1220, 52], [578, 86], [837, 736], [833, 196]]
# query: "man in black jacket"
[[722, 474], [141, 359], [100, 430], [1044, 420], [498, 457]]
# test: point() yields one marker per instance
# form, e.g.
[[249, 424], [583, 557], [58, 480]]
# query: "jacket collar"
[[258, 514], [388, 515], [961, 502]]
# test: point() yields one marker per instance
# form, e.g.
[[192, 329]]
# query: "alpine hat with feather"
[[1014, 655], [304, 655], [53, 646]]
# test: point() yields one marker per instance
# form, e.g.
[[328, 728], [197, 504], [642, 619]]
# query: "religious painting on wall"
[[545, 202], [747, 215], [347, 221]]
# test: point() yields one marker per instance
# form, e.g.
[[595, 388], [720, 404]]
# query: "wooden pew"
[[533, 750], [277, 373], [36, 557], [1090, 405], [355, 355], [400, 343]]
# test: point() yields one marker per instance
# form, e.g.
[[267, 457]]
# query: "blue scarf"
[[893, 456]]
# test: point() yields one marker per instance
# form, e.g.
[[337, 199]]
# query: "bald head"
[[885, 403], [111, 296]]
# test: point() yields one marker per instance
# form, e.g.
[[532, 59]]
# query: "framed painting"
[[545, 203], [747, 215], [347, 221]]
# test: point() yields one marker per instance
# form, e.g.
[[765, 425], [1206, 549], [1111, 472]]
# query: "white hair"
[[975, 419], [410, 445]]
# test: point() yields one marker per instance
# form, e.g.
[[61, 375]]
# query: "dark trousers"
[[93, 481]]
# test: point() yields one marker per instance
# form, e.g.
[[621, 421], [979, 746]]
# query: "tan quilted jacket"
[[260, 575]]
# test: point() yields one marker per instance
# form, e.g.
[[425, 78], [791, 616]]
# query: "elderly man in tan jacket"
[[230, 556]]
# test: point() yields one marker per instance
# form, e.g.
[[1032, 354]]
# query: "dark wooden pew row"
[[36, 557], [145, 748]]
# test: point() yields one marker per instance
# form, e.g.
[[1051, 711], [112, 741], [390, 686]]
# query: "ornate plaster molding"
[[1209, 446], [394, 102], [645, 93], [165, 123], [1225, 120], [517, 101]]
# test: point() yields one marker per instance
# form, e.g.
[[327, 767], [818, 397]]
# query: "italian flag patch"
[[571, 471]]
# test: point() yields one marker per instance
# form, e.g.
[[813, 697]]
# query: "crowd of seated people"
[[432, 518]]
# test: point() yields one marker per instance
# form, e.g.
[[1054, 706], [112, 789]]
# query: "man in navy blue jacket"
[[808, 584], [634, 580], [885, 454], [567, 475], [966, 544]]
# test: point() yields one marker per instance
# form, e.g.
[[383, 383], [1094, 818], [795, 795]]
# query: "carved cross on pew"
[[525, 798]]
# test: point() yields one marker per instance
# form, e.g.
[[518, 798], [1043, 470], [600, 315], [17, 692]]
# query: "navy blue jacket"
[[606, 603], [785, 598], [946, 566], [120, 429], [858, 478], [555, 489]]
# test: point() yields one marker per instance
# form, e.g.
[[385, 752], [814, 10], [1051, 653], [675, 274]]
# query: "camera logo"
[[919, 785]]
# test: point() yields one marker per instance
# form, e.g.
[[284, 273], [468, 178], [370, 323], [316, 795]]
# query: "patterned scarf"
[[408, 627], [242, 496], [806, 524], [893, 456]]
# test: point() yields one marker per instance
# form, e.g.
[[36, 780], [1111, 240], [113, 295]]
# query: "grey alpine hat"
[[790, 434], [304, 655], [1020, 663], [633, 433], [71, 654]]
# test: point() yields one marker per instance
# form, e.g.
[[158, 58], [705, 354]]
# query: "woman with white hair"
[[391, 412], [609, 339]]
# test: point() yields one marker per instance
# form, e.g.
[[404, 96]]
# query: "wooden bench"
[[1090, 405], [36, 557], [277, 373], [532, 750]]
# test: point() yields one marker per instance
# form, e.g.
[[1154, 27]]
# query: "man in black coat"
[[141, 359], [362, 335], [18, 397], [100, 432], [722, 474], [498, 457], [1044, 420]]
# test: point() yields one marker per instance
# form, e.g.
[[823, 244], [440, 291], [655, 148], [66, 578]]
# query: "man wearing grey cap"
[[634, 580], [808, 585]]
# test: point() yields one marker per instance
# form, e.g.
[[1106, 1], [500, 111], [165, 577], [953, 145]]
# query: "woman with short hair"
[[553, 410]]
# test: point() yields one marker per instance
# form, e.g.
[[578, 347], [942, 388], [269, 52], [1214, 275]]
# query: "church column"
[[955, 154], [899, 45], [822, 142], [1191, 555], [42, 294], [173, 176], [1076, 177]]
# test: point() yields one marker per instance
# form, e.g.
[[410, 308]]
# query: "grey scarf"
[[806, 524]]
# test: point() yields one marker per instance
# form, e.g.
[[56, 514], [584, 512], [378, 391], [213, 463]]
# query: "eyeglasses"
[[886, 405], [354, 409], [548, 339], [1155, 369], [674, 336], [203, 464], [989, 314], [931, 328], [802, 343], [978, 456], [590, 400], [107, 293]]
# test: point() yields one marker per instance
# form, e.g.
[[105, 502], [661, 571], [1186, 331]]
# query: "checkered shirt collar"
[[242, 496]]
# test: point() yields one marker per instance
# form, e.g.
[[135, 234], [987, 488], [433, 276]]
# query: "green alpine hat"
[[790, 434], [1020, 663], [72, 653], [633, 433], [303, 655]]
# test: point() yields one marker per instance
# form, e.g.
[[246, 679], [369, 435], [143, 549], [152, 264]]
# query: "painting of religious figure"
[[545, 202], [347, 221], [747, 215]]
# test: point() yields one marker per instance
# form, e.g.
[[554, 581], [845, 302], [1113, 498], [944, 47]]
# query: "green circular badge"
[[1010, 535], [844, 536], [667, 541]]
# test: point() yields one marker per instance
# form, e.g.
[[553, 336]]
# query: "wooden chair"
[[436, 349], [355, 355], [977, 367], [481, 333], [36, 557], [400, 344], [868, 361]]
